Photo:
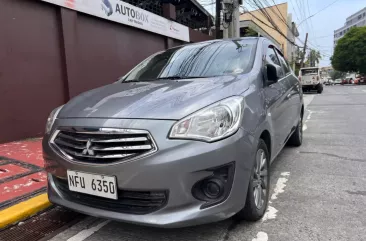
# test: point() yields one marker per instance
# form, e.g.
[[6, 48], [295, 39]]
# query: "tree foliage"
[[350, 52], [335, 74], [250, 33], [313, 58]]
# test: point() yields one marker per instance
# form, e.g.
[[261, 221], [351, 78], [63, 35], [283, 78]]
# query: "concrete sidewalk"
[[22, 181]]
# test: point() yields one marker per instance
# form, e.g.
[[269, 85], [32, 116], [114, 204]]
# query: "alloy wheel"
[[260, 179]]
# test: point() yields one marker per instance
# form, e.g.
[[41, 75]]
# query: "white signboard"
[[122, 12]]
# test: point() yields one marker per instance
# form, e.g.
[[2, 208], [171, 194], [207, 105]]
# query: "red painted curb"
[[28, 151]]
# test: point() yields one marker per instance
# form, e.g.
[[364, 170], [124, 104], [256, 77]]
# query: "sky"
[[320, 27]]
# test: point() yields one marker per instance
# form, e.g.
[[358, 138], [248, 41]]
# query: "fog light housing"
[[215, 188]]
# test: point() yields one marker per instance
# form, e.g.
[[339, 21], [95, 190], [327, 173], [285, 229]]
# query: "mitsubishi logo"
[[87, 150]]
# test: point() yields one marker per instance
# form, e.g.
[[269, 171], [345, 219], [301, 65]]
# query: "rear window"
[[309, 72]]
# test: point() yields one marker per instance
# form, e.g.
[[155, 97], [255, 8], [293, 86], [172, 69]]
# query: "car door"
[[292, 95], [275, 101]]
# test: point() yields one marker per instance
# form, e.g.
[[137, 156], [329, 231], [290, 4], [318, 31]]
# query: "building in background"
[[325, 72], [355, 20], [280, 22]]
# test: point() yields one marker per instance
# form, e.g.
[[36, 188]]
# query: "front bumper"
[[176, 167]]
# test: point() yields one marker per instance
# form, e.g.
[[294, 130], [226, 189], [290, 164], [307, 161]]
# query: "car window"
[[214, 58], [284, 64], [271, 57]]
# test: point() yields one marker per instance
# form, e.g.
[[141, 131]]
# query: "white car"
[[310, 79], [338, 82]]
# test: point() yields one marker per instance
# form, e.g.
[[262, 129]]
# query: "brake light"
[[317, 77], [300, 78]]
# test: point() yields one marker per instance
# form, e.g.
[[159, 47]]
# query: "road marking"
[[309, 116], [280, 185], [271, 213], [261, 236], [304, 127], [84, 234], [364, 90], [308, 99]]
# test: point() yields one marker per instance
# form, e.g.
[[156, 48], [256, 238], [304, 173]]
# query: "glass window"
[[271, 57], [312, 71], [284, 64], [206, 59]]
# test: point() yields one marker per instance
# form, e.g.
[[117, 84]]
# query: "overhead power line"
[[318, 12], [263, 11], [279, 31]]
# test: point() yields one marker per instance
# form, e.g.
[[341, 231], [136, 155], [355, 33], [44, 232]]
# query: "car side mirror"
[[274, 73]]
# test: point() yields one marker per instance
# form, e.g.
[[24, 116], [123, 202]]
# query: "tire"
[[320, 89], [254, 209], [296, 137]]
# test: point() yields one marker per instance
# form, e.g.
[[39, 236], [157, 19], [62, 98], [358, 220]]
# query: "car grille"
[[103, 145], [130, 202]]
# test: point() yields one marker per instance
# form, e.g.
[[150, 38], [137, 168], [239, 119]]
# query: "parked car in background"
[[178, 141], [337, 82], [360, 80], [310, 79], [347, 81], [329, 82]]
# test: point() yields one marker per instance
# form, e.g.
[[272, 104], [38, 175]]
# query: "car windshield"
[[207, 59]]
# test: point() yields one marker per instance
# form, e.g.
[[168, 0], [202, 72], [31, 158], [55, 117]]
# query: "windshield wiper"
[[173, 77], [137, 80]]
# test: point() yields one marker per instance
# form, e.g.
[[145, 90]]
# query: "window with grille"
[[153, 6]]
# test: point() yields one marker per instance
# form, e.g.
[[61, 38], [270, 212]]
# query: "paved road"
[[318, 190]]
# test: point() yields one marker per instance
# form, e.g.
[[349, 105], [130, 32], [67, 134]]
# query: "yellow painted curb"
[[23, 210]]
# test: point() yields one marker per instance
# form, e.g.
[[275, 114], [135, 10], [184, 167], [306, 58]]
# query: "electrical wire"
[[319, 11], [293, 43], [275, 27]]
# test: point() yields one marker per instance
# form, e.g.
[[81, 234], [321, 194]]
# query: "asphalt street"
[[318, 191]]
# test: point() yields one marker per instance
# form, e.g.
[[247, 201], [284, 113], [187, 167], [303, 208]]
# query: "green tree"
[[335, 74], [350, 52], [313, 58], [250, 33]]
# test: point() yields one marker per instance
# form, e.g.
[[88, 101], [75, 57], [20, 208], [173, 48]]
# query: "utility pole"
[[236, 18], [217, 22], [303, 57], [231, 21]]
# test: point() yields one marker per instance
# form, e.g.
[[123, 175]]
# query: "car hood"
[[161, 99]]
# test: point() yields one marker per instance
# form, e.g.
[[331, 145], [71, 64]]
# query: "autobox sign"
[[122, 12]]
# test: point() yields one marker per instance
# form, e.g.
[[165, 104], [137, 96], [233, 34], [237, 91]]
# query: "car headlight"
[[51, 118], [212, 123]]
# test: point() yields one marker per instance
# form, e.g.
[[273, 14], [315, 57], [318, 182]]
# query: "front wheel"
[[296, 138], [258, 190]]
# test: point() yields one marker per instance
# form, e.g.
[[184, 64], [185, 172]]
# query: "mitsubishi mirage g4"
[[185, 138]]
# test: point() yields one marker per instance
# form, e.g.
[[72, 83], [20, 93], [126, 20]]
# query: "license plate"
[[93, 184]]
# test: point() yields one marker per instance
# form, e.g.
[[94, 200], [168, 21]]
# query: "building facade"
[[325, 72], [281, 20], [355, 20], [70, 50]]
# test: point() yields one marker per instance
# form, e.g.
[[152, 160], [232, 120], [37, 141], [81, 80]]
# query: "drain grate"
[[40, 226]]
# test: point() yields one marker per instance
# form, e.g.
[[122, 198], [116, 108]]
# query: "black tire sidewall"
[[250, 212]]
